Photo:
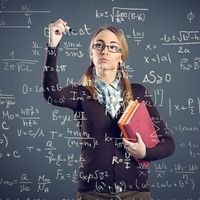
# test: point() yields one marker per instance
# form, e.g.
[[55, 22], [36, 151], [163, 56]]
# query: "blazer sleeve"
[[68, 96], [166, 146]]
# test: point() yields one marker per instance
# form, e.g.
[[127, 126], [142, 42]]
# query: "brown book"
[[136, 118]]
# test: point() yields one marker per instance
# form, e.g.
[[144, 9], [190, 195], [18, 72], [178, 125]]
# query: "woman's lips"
[[104, 60]]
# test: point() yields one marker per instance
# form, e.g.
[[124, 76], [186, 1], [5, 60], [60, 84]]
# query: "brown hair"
[[86, 79]]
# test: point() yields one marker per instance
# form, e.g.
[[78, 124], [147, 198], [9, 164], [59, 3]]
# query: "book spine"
[[130, 110], [123, 130]]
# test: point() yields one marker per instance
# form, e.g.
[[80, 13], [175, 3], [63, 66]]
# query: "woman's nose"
[[105, 50]]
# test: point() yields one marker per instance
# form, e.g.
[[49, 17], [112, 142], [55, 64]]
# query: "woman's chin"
[[105, 67]]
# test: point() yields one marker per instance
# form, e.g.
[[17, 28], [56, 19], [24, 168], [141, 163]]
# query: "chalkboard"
[[40, 143]]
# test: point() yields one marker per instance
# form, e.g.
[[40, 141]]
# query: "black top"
[[106, 167]]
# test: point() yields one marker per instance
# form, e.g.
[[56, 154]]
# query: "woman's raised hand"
[[56, 30]]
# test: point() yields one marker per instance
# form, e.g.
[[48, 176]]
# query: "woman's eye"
[[98, 46], [113, 47]]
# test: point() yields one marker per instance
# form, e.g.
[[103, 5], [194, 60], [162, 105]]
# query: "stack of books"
[[136, 118]]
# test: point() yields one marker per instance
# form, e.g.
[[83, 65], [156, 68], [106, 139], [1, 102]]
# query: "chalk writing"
[[40, 144], [18, 65], [182, 38], [120, 14]]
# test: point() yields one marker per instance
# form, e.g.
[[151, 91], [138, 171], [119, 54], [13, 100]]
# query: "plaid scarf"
[[109, 94]]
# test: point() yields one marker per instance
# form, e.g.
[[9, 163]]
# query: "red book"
[[136, 118]]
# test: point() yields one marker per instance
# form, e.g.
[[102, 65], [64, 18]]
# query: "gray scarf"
[[109, 94]]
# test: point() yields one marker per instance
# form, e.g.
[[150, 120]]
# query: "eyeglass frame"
[[108, 47]]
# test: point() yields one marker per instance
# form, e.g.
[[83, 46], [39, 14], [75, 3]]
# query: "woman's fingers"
[[58, 27], [56, 31]]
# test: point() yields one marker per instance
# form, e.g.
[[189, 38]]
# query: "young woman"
[[110, 170]]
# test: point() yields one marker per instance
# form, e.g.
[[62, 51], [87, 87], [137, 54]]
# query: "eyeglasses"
[[101, 46]]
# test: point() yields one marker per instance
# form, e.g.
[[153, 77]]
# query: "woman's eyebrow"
[[114, 42], [99, 40]]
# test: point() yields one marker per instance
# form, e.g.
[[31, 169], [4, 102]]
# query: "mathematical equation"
[[21, 10], [18, 64], [182, 38], [7, 100], [187, 62], [28, 116], [25, 184], [120, 14], [193, 149]]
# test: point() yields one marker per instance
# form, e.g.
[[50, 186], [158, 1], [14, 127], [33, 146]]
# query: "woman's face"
[[104, 59]]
